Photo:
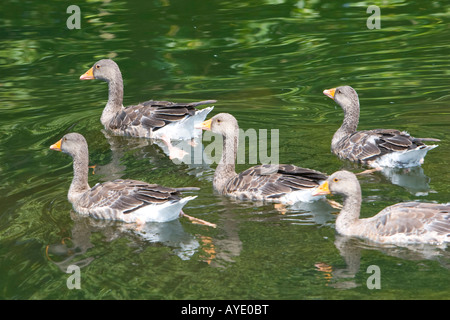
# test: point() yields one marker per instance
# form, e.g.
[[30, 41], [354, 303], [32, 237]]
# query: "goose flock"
[[140, 202]]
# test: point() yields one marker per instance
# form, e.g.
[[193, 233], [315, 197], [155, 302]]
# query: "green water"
[[266, 62]]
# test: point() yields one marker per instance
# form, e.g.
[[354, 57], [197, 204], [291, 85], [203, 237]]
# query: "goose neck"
[[350, 123], [226, 168], [348, 218], [115, 100], [79, 183]]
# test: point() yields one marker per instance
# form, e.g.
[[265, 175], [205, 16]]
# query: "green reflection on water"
[[265, 62]]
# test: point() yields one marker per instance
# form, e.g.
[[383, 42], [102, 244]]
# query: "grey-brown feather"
[[404, 222], [262, 182], [152, 115], [367, 145], [127, 195], [288, 178], [144, 118], [112, 199], [414, 218]]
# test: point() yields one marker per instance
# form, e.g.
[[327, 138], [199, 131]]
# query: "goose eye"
[[97, 66], [335, 179]]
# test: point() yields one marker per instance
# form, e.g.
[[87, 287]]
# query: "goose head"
[[105, 69], [222, 123], [72, 144], [341, 182], [345, 96]]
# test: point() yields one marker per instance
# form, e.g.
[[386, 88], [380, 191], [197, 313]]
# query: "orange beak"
[[56, 146], [89, 75], [205, 125], [322, 189], [330, 93]]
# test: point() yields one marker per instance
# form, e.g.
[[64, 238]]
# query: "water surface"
[[267, 63]]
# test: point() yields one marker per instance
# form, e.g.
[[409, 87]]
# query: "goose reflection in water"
[[351, 248], [413, 180], [182, 152], [75, 250]]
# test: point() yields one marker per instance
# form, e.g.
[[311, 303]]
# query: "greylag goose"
[[378, 147], [126, 200], [150, 119], [281, 183], [402, 223]]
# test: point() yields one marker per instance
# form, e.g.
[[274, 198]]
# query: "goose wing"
[[370, 144], [126, 196], [153, 115], [414, 218], [272, 182]]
